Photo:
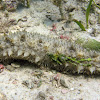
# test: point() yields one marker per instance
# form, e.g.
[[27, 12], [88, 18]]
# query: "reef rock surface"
[[12, 5]]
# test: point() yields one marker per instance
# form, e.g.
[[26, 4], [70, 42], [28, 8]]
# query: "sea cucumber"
[[46, 50]]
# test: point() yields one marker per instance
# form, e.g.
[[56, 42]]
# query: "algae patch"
[[62, 59], [90, 44]]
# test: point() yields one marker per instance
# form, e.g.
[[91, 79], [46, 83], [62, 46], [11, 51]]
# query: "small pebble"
[[42, 95], [57, 77], [71, 89], [24, 19], [1, 68], [13, 22], [79, 91], [14, 82], [37, 73], [64, 91], [63, 83], [28, 84], [15, 65], [51, 97], [39, 83], [10, 68]]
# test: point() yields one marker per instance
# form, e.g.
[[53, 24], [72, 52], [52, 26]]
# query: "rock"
[[11, 5], [57, 76], [51, 97], [64, 91], [15, 65], [39, 83], [1, 68], [41, 95], [63, 83], [10, 68], [28, 84], [24, 19], [37, 73]]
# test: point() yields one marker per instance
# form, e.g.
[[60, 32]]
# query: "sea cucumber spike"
[[10, 52], [32, 53], [60, 49], [3, 44], [4, 53], [15, 39], [26, 54], [96, 59], [98, 69], [20, 52], [37, 59], [92, 69], [95, 54], [80, 69], [80, 54], [15, 48]]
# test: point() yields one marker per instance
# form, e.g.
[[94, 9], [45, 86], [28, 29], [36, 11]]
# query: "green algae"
[[61, 59], [79, 24], [87, 12], [90, 44], [96, 4]]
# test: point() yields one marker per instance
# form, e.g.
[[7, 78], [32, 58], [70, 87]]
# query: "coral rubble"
[[11, 5]]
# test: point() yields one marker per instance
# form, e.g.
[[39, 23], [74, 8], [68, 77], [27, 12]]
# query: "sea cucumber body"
[[34, 48]]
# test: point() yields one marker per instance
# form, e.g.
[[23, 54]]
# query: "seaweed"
[[61, 59], [87, 12], [96, 4], [90, 44], [79, 24], [87, 16]]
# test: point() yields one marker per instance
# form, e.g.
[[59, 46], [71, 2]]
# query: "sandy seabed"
[[23, 81], [30, 83]]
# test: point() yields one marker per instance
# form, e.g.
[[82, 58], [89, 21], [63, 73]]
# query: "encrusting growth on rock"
[[11, 5]]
